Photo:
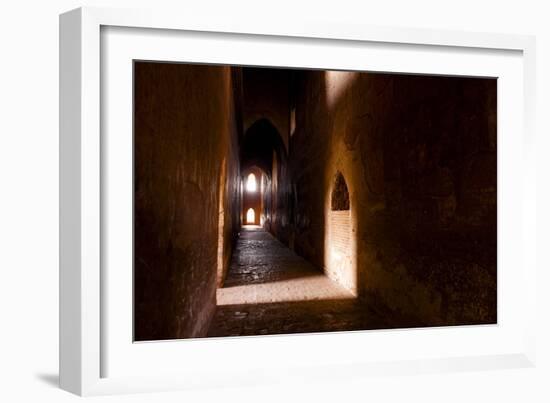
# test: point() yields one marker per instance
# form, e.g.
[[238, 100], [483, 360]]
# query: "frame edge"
[[78, 63], [70, 120]]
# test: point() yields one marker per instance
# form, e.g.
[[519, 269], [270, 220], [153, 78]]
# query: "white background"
[[29, 200]]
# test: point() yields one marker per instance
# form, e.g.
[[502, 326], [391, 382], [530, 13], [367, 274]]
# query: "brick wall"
[[339, 265], [184, 128]]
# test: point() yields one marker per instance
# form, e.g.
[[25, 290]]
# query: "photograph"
[[274, 200], [219, 202]]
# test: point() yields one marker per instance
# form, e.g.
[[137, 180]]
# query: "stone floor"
[[271, 290]]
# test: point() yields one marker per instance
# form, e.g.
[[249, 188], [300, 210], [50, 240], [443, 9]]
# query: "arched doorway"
[[251, 183], [251, 216], [252, 208], [339, 265]]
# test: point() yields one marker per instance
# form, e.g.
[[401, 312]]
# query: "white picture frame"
[[83, 342]]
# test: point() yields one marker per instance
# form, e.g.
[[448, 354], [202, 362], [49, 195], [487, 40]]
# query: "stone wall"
[[185, 129], [419, 157]]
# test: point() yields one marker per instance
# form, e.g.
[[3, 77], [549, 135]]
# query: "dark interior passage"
[[265, 270], [374, 200]]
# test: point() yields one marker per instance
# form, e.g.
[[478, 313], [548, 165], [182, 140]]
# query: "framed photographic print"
[[317, 198]]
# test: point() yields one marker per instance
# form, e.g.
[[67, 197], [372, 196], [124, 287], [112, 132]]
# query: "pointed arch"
[[339, 200], [340, 246], [260, 141]]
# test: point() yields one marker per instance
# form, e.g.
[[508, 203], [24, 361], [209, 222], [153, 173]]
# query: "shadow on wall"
[[306, 184]]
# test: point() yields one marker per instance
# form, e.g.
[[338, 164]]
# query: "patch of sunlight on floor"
[[311, 288]]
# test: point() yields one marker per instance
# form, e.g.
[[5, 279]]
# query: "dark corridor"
[[272, 200]]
